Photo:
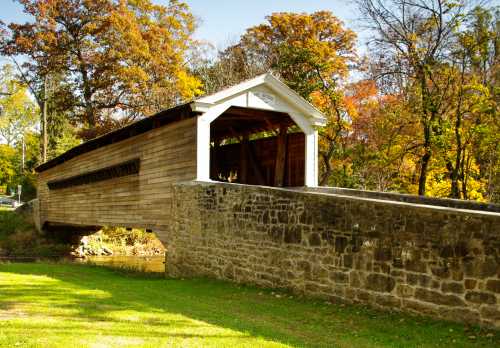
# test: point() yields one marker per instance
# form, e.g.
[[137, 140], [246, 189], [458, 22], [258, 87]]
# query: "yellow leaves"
[[17, 110], [321, 33], [439, 182], [320, 100], [189, 86], [413, 37]]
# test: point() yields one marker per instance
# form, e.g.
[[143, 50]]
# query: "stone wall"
[[436, 261]]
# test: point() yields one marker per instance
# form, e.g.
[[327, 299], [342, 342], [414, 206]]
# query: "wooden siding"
[[167, 155]]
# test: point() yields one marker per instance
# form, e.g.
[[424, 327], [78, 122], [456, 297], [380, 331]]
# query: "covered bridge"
[[166, 173], [258, 132]]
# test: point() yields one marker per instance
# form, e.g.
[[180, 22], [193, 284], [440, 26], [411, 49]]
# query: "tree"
[[18, 119], [116, 59], [469, 101], [412, 40], [17, 110], [7, 163], [381, 140], [479, 46], [303, 48], [227, 69]]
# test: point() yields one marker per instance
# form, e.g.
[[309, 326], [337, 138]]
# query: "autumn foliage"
[[422, 116], [114, 59]]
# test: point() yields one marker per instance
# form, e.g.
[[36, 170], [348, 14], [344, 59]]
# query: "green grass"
[[68, 305]]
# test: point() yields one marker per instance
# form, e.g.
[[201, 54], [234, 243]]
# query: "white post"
[[203, 140], [311, 170], [202, 149]]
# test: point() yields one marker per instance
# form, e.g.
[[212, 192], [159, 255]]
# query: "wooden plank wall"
[[227, 158], [167, 155]]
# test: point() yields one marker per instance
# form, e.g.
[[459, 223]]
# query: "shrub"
[[18, 237]]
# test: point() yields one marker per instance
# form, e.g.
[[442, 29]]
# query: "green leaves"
[[17, 109]]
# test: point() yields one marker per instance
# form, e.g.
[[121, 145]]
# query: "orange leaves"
[[117, 57], [364, 89], [320, 100], [360, 96]]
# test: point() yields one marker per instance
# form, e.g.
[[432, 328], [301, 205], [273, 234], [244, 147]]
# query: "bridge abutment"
[[437, 261]]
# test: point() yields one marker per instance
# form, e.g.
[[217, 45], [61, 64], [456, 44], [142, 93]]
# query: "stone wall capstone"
[[436, 261]]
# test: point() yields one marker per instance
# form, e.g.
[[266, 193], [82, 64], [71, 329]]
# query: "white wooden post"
[[311, 170], [202, 149], [203, 140]]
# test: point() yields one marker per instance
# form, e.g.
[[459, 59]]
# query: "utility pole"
[[19, 188], [24, 154], [44, 121]]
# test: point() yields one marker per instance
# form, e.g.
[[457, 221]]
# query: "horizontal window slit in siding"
[[116, 171]]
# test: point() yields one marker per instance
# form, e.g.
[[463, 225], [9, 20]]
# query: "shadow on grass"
[[83, 301]]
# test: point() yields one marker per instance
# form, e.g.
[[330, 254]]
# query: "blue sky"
[[223, 21]]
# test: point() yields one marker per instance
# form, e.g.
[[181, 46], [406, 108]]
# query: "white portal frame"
[[265, 92]]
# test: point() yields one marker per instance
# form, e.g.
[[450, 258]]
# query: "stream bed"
[[147, 264]]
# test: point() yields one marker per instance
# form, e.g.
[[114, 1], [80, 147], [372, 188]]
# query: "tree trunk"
[[455, 190], [455, 172], [427, 117], [465, 174], [425, 159], [44, 122], [422, 180], [89, 115], [328, 167]]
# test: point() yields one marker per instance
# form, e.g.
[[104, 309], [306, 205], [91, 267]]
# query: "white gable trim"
[[296, 99], [233, 95], [231, 91]]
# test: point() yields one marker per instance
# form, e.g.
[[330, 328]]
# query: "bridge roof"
[[144, 125]]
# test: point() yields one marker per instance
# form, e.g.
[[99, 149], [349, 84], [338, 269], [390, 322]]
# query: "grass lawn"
[[69, 305]]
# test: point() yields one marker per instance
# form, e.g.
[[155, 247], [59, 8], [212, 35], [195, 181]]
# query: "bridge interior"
[[257, 147]]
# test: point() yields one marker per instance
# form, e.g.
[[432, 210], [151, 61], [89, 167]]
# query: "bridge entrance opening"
[[257, 147]]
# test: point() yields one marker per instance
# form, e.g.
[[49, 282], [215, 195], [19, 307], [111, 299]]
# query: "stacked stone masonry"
[[436, 261]]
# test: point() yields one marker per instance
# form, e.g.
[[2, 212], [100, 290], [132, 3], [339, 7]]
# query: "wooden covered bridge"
[[259, 132], [180, 173]]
